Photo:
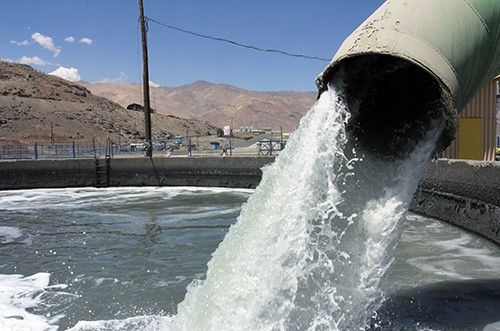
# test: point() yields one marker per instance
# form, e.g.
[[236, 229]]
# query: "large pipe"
[[415, 60]]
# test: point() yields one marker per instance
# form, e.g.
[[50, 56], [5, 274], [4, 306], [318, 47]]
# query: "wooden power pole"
[[145, 83]]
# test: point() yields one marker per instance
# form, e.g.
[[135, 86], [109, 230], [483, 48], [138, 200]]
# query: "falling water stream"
[[310, 248], [315, 239]]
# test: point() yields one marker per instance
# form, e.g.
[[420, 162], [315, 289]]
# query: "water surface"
[[123, 257]]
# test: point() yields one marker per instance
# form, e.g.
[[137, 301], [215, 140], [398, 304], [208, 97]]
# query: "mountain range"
[[218, 104], [35, 106]]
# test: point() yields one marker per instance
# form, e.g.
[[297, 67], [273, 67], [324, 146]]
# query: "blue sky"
[[99, 40]]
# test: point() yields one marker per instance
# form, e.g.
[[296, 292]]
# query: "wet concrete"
[[464, 193]]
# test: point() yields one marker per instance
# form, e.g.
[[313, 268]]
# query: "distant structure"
[[246, 129], [476, 135], [137, 107]]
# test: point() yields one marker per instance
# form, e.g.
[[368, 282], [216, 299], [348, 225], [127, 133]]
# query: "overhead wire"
[[235, 43]]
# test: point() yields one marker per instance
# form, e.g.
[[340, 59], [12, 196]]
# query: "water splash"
[[314, 241], [19, 296]]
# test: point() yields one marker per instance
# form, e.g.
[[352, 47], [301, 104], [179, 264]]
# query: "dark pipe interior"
[[392, 103]]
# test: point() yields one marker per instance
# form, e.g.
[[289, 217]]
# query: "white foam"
[[492, 327], [17, 294], [142, 323], [452, 254], [10, 234], [81, 198]]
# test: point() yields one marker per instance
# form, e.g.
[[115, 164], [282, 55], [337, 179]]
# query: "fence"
[[68, 150]]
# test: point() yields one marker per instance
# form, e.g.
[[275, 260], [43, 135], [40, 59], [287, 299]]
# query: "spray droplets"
[[315, 239]]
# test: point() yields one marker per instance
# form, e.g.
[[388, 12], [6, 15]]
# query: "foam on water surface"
[[11, 235], [453, 254], [18, 294], [143, 323], [91, 197]]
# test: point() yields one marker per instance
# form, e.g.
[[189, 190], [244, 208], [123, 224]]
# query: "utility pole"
[[281, 138], [145, 83], [51, 133]]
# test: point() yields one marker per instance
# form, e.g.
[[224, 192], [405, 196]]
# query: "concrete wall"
[[244, 172], [26, 174], [464, 193]]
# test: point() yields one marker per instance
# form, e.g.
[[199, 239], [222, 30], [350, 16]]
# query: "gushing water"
[[314, 241]]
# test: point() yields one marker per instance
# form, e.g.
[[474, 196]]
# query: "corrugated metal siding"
[[483, 105], [452, 151]]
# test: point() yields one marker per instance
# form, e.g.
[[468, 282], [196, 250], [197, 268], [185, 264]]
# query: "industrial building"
[[476, 137]]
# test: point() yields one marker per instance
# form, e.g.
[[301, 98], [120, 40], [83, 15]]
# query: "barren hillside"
[[38, 107], [219, 104]]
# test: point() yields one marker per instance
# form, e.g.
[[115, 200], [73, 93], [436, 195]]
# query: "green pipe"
[[413, 46]]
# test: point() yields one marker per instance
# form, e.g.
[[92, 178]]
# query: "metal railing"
[[63, 150]]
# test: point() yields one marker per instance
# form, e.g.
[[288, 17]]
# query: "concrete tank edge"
[[463, 193]]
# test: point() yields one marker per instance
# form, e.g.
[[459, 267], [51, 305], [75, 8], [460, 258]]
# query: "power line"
[[235, 43]]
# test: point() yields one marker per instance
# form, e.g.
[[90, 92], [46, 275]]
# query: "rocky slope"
[[219, 104], [38, 107]]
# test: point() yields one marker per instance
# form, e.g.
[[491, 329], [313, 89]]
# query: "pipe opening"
[[392, 102]]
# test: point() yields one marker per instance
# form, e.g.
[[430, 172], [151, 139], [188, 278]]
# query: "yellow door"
[[470, 138]]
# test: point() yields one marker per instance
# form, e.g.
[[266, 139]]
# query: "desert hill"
[[219, 104], [35, 106]]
